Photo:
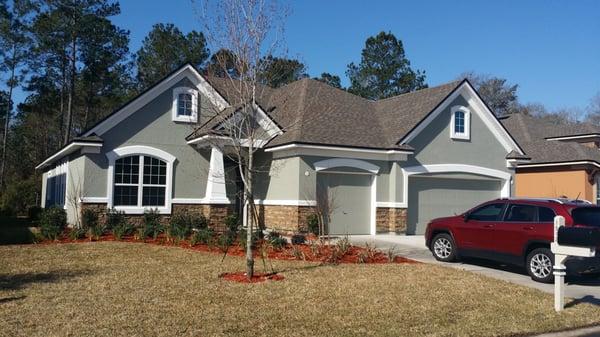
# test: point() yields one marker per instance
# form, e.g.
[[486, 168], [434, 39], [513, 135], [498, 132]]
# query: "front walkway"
[[413, 247]]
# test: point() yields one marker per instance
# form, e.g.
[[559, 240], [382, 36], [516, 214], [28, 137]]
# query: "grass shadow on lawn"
[[20, 281]]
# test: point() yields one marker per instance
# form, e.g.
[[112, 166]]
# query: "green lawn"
[[134, 289]]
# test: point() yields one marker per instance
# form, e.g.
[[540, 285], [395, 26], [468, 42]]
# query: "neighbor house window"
[[185, 105], [140, 181], [140, 178], [460, 123]]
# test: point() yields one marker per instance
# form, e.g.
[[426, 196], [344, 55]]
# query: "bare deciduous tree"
[[251, 30]]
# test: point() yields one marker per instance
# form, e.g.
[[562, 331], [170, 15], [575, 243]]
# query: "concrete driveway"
[[581, 289]]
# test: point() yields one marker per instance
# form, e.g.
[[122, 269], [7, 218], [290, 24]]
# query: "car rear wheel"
[[443, 248], [539, 265]]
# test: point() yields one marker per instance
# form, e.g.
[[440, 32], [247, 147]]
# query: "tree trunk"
[[71, 91], [8, 113], [250, 226]]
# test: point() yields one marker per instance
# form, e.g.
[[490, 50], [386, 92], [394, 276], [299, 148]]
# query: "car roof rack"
[[557, 200]]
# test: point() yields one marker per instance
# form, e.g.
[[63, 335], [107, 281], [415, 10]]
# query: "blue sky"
[[550, 48]]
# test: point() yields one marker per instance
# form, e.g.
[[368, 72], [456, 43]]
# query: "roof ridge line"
[[414, 92]]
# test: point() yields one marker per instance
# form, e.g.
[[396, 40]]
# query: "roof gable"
[[186, 71], [478, 106]]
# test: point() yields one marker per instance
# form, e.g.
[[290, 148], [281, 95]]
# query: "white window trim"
[[460, 135], [174, 110], [141, 151]]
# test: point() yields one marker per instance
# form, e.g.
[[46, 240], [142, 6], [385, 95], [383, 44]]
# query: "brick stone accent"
[[287, 219], [215, 214], [391, 220]]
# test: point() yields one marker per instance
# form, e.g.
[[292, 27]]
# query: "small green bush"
[[312, 220], [122, 229], [114, 218], [243, 240], [89, 218], [182, 224], [77, 233], [203, 236], [276, 240], [151, 226], [233, 223], [224, 241], [53, 221]]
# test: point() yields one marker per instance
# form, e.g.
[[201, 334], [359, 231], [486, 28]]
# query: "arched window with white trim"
[[140, 178], [460, 123]]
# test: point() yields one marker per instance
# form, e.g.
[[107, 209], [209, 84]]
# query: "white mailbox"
[[561, 253]]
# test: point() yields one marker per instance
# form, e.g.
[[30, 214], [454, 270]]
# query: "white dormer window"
[[185, 105], [460, 124]]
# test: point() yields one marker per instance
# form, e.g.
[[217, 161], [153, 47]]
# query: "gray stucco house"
[[393, 164]]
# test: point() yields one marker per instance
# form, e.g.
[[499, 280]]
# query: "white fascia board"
[[338, 151], [188, 71], [286, 202], [479, 108], [211, 140], [67, 150], [581, 162]]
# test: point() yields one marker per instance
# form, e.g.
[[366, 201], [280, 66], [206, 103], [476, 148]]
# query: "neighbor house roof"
[[532, 133], [312, 112]]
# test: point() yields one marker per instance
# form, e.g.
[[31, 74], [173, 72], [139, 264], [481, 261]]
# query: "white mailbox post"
[[561, 253]]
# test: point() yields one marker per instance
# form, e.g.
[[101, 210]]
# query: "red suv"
[[513, 231]]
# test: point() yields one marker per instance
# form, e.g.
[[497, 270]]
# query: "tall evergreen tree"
[[165, 49], [279, 71], [15, 45], [384, 70], [61, 31], [332, 80]]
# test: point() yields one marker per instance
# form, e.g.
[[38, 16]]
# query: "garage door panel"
[[350, 197], [431, 198]]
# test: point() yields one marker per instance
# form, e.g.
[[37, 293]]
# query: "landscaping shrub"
[[114, 218], [233, 223], [151, 226], [77, 233], [276, 240], [53, 221], [224, 242], [122, 229], [34, 212], [19, 195], [298, 239], [89, 218], [203, 236], [182, 224], [312, 220], [243, 240]]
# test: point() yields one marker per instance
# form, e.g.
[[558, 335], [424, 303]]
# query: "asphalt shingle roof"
[[531, 133], [313, 112]]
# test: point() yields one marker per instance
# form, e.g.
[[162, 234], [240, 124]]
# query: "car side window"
[[521, 213], [490, 212], [546, 214]]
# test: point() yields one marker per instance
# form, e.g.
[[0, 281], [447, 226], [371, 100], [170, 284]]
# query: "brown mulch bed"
[[312, 251]]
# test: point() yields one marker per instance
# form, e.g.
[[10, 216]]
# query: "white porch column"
[[215, 187]]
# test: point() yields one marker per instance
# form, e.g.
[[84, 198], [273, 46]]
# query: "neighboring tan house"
[[565, 158], [392, 164]]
